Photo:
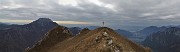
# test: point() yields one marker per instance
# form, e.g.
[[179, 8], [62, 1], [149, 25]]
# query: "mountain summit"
[[102, 39], [42, 21]]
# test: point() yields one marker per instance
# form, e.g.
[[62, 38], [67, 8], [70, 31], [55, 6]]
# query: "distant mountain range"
[[124, 33], [149, 30], [90, 27]]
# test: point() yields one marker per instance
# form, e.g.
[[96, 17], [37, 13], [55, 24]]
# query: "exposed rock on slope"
[[99, 40]]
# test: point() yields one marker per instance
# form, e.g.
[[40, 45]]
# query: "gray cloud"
[[115, 13]]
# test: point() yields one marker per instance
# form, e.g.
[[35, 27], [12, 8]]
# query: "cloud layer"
[[116, 13]]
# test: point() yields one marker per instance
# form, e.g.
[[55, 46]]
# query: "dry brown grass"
[[53, 37], [86, 42]]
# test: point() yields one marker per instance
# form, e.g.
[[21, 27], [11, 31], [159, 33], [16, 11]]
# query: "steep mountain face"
[[39, 28], [15, 38], [12, 41], [99, 40], [56, 35], [124, 33], [75, 30], [164, 41]]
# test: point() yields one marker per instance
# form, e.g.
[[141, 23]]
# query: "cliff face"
[[99, 40]]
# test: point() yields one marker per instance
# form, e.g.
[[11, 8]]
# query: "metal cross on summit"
[[103, 23]]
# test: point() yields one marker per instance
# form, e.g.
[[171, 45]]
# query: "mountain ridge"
[[102, 39], [54, 36]]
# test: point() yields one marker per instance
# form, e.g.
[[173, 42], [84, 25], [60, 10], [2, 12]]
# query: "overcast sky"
[[115, 13]]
